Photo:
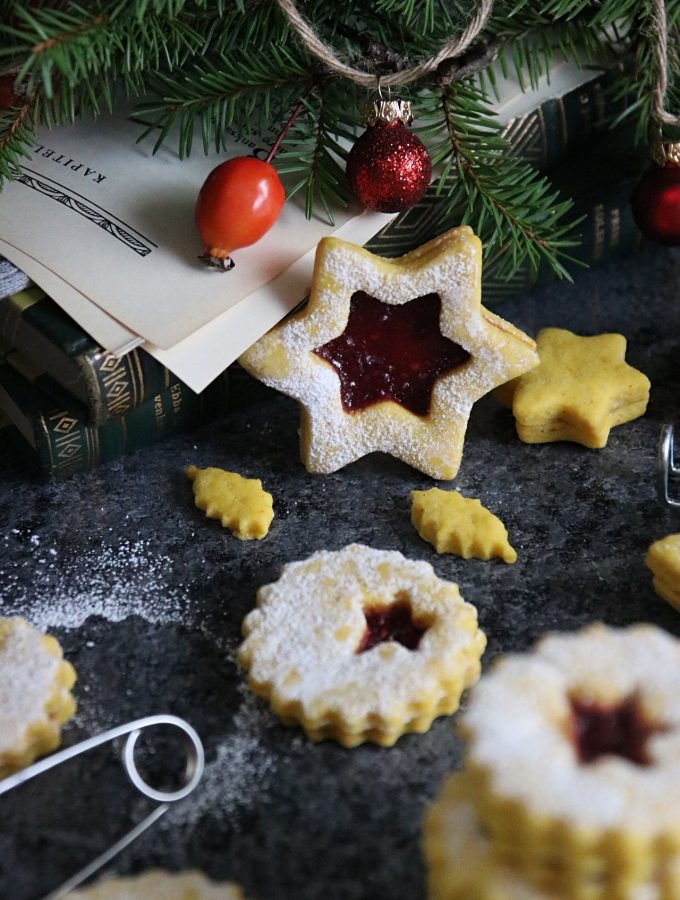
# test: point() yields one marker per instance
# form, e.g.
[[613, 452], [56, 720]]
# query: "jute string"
[[455, 47], [660, 26]]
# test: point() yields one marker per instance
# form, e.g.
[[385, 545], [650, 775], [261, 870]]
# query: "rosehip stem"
[[223, 264], [291, 121]]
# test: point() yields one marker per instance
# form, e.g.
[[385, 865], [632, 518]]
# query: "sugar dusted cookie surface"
[[581, 389], [461, 525], [663, 558], [239, 503], [574, 749], [156, 884], [361, 645], [390, 354], [35, 697]]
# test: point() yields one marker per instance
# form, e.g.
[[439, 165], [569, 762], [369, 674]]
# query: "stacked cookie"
[[572, 775], [361, 645]]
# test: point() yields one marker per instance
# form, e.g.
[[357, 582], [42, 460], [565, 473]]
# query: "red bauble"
[[388, 168], [656, 204], [239, 202]]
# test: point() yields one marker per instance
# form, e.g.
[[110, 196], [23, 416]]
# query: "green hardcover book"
[[41, 380], [108, 386], [600, 182], [63, 444], [563, 123]]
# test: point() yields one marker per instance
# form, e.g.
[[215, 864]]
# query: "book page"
[[99, 325], [201, 357], [116, 222]]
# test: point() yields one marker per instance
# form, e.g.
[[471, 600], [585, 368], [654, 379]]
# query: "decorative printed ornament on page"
[[389, 168]]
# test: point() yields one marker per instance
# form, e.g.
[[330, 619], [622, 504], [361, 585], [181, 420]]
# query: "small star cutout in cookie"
[[239, 503], [582, 388], [391, 354], [461, 525]]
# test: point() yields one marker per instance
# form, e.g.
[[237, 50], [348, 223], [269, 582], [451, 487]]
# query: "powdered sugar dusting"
[[27, 680], [303, 637], [111, 582], [236, 777]]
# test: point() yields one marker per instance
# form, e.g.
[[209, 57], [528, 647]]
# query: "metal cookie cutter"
[[668, 471], [195, 761]]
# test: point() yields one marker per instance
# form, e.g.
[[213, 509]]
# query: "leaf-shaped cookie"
[[461, 525], [239, 503]]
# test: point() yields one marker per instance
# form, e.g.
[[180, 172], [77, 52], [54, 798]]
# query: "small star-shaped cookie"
[[239, 503], [582, 388], [390, 354], [461, 525]]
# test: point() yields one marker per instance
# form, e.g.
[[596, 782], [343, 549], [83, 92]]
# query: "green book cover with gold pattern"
[[63, 443]]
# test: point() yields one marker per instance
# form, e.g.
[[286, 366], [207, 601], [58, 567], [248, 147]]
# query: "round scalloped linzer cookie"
[[575, 751], [156, 884], [35, 698], [239, 503], [663, 558], [462, 864], [361, 645]]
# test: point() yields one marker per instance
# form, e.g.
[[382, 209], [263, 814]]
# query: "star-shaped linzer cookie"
[[582, 388], [390, 354]]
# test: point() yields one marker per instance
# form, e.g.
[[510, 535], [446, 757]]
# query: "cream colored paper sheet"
[[201, 357], [99, 325], [116, 223]]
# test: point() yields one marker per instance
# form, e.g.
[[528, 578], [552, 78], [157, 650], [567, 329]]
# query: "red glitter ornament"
[[389, 168], [656, 199]]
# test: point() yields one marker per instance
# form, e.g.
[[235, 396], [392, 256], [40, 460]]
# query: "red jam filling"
[[391, 623], [620, 730], [389, 352]]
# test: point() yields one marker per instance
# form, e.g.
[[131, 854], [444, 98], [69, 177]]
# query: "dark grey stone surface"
[[147, 596]]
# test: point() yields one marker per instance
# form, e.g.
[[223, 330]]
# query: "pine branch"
[[16, 136], [312, 150], [224, 94], [515, 211]]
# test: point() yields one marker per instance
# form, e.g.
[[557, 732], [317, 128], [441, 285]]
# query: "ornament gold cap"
[[388, 111], [666, 153]]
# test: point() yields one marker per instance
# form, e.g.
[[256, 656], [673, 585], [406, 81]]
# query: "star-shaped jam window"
[[581, 389], [391, 354]]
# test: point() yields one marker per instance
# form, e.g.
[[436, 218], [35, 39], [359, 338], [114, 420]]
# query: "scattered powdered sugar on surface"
[[240, 771], [111, 582], [27, 680]]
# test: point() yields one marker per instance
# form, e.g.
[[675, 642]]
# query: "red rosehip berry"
[[238, 203]]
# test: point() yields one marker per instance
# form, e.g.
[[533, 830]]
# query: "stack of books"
[[101, 358]]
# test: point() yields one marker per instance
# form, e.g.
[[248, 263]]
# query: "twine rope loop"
[[327, 55], [660, 26]]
